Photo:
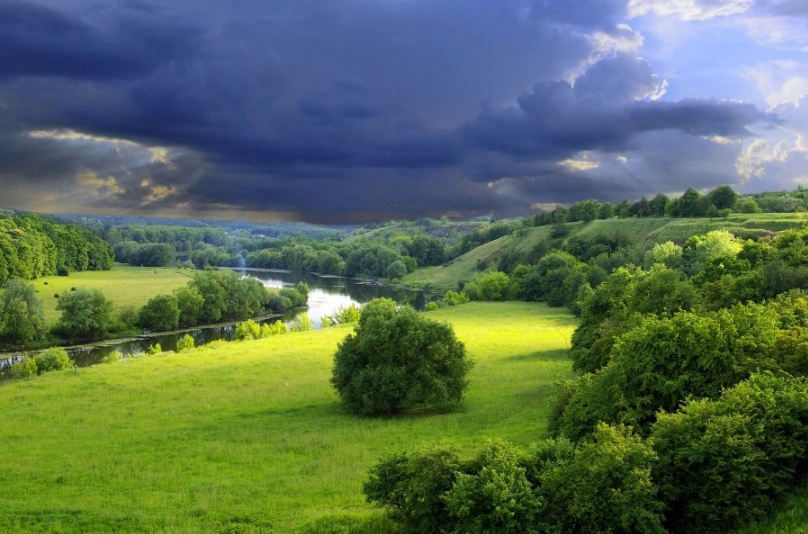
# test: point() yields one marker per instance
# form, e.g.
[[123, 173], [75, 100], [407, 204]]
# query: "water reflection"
[[328, 293]]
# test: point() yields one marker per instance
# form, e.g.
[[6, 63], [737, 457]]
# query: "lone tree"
[[398, 360]]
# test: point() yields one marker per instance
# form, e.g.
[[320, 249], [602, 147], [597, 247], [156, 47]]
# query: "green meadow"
[[249, 436], [124, 285]]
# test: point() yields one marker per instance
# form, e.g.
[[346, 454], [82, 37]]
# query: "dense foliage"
[[32, 246], [602, 486], [21, 316], [398, 360]]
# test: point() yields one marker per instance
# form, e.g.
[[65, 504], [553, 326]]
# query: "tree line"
[[32, 246], [87, 314]]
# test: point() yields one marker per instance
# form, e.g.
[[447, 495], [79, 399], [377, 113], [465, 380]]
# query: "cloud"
[[38, 41], [339, 111], [605, 109], [689, 9]]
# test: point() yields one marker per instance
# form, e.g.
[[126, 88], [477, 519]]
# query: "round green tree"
[[398, 360]]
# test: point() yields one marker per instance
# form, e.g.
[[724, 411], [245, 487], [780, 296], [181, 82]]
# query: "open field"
[[124, 285], [646, 232], [249, 436]]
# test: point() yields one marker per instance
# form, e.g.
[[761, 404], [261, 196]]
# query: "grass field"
[[124, 285], [249, 437], [646, 232]]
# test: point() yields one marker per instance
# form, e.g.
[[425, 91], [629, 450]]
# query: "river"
[[327, 294]]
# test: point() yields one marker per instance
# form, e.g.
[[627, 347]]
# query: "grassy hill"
[[249, 437], [645, 232], [124, 285]]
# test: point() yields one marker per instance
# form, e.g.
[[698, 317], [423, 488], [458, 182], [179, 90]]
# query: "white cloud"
[[689, 9]]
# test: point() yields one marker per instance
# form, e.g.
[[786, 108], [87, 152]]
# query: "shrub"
[[496, 497], [186, 342], [493, 286], [248, 329], [302, 323], [86, 313], [723, 461], [24, 369], [606, 487], [112, 357], [454, 298], [397, 360], [431, 306], [274, 329], [53, 359], [411, 486], [127, 317], [347, 314], [153, 349]]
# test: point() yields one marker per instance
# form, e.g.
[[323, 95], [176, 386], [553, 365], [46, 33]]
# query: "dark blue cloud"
[[38, 41], [601, 111], [336, 109]]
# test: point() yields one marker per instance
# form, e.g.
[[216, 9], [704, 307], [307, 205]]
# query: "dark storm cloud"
[[37, 41], [329, 108], [600, 111]]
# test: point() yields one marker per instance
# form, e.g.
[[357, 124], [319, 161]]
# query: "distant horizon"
[[180, 217]]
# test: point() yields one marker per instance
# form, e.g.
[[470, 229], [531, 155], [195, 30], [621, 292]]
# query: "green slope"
[[249, 437], [646, 232]]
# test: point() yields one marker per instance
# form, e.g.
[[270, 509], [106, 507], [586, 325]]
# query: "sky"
[[351, 111]]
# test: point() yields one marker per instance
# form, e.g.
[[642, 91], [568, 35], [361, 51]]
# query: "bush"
[[186, 342], [153, 349], [722, 462], [431, 306], [343, 315], [53, 359], [496, 497], [397, 360], [453, 298], [302, 323], [493, 286], [112, 357], [86, 313], [23, 369], [274, 329], [412, 485], [249, 329], [605, 487]]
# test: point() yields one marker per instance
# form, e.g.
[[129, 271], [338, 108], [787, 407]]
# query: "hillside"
[[641, 231], [249, 437]]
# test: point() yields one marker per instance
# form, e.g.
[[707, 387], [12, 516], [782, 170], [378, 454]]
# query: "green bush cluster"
[[398, 360], [186, 342], [601, 486], [52, 359], [343, 315], [249, 329]]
